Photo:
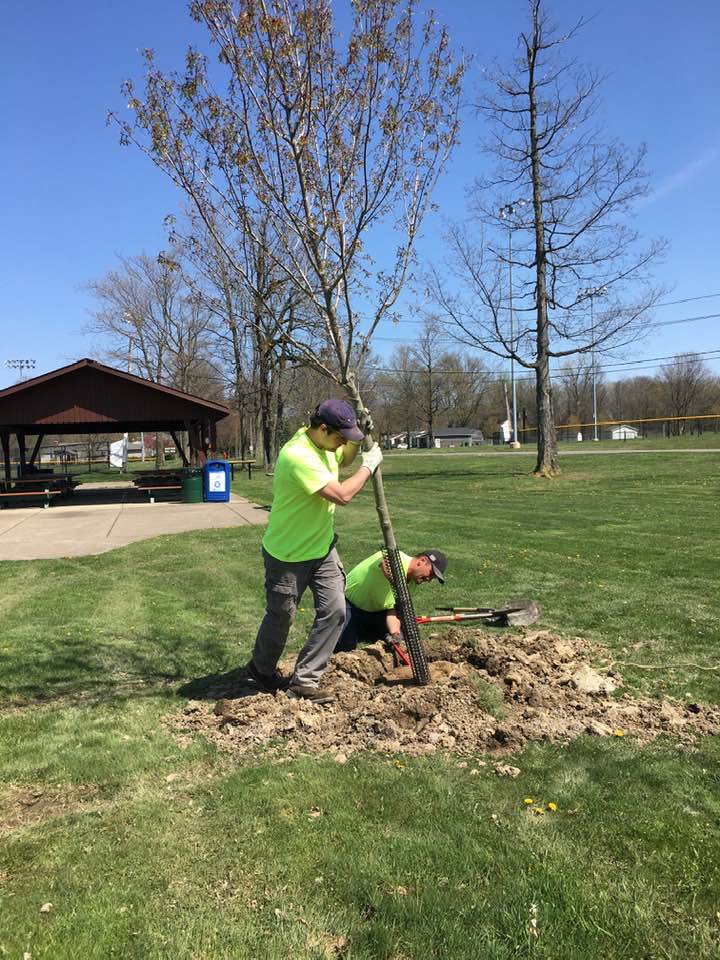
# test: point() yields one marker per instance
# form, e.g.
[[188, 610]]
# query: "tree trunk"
[[264, 389], [547, 459], [547, 455], [159, 450]]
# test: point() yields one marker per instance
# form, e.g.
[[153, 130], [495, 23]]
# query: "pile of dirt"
[[488, 693]]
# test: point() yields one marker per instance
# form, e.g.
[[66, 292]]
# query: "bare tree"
[[149, 318], [466, 383], [558, 248], [688, 387], [153, 322], [325, 143], [575, 390], [430, 392]]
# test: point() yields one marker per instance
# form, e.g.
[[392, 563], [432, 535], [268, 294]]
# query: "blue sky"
[[73, 198]]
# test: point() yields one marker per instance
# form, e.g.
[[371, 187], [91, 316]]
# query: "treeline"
[[180, 320]]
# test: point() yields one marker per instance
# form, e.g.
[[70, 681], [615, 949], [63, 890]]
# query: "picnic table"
[[34, 488]]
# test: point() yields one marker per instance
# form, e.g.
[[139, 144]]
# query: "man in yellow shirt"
[[299, 546], [370, 612]]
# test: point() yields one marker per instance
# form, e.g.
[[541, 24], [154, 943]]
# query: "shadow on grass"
[[93, 694], [104, 671], [232, 685]]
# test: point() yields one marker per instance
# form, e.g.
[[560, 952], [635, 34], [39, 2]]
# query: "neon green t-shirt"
[[369, 589], [301, 522]]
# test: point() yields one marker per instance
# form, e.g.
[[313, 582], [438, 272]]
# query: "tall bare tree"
[[325, 141], [149, 318], [152, 322], [555, 215]]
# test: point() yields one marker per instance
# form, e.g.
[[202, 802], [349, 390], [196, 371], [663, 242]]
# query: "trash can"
[[217, 481], [192, 486]]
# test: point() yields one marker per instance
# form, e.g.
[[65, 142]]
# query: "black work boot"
[[267, 682], [301, 691]]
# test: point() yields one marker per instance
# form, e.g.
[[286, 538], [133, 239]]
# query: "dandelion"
[[528, 800], [619, 733], [538, 811], [553, 807]]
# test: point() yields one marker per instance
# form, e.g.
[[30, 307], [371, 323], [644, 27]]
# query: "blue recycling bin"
[[216, 481]]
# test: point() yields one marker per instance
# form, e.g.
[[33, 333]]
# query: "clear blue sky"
[[73, 198]]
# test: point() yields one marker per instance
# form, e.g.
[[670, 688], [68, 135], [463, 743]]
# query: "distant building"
[[449, 437], [624, 432], [399, 441]]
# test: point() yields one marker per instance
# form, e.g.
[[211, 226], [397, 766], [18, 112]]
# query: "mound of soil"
[[488, 693]]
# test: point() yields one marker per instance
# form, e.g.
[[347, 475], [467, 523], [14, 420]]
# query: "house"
[[624, 432]]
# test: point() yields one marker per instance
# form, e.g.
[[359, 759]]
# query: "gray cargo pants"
[[285, 583]]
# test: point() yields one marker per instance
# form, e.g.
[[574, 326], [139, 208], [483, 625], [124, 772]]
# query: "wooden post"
[[5, 438], [179, 447], [23, 455], [36, 450]]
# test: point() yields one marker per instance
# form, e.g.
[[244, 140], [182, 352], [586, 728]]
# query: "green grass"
[[151, 848]]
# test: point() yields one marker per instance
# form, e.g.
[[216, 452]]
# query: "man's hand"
[[372, 458]]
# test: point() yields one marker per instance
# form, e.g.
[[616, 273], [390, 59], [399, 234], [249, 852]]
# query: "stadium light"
[[506, 212], [590, 293], [20, 365]]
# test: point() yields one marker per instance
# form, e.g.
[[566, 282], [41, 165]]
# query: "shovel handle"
[[452, 617], [488, 610]]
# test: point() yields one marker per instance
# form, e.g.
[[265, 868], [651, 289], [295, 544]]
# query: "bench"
[[65, 484], [29, 494], [151, 488]]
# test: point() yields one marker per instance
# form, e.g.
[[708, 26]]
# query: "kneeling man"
[[370, 613]]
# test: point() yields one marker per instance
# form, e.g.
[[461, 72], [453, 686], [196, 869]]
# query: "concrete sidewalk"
[[76, 530]]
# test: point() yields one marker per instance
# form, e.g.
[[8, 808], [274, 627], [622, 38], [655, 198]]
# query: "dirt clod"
[[487, 693]]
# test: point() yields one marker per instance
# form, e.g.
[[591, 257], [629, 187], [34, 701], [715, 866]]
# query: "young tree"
[[560, 271], [323, 143]]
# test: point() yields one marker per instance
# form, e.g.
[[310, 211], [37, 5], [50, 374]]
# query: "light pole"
[[20, 365], [506, 212], [591, 293]]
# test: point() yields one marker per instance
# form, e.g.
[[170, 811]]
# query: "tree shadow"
[[231, 685]]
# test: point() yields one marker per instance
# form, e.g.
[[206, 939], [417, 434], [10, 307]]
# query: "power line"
[[667, 323], [663, 323], [666, 303], [619, 367], [672, 303]]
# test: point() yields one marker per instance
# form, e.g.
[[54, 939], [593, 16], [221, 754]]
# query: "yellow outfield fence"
[[632, 428]]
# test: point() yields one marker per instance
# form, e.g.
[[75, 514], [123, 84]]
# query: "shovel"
[[515, 613]]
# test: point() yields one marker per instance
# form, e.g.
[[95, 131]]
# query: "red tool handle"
[[452, 617]]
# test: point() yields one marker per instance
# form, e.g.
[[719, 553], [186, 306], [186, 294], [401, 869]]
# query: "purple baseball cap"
[[339, 415]]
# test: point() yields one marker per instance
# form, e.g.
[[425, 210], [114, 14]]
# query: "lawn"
[[150, 848]]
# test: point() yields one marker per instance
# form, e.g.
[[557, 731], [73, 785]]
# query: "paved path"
[[76, 529]]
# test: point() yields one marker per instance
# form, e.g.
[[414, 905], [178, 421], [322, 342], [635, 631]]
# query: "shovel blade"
[[519, 613]]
